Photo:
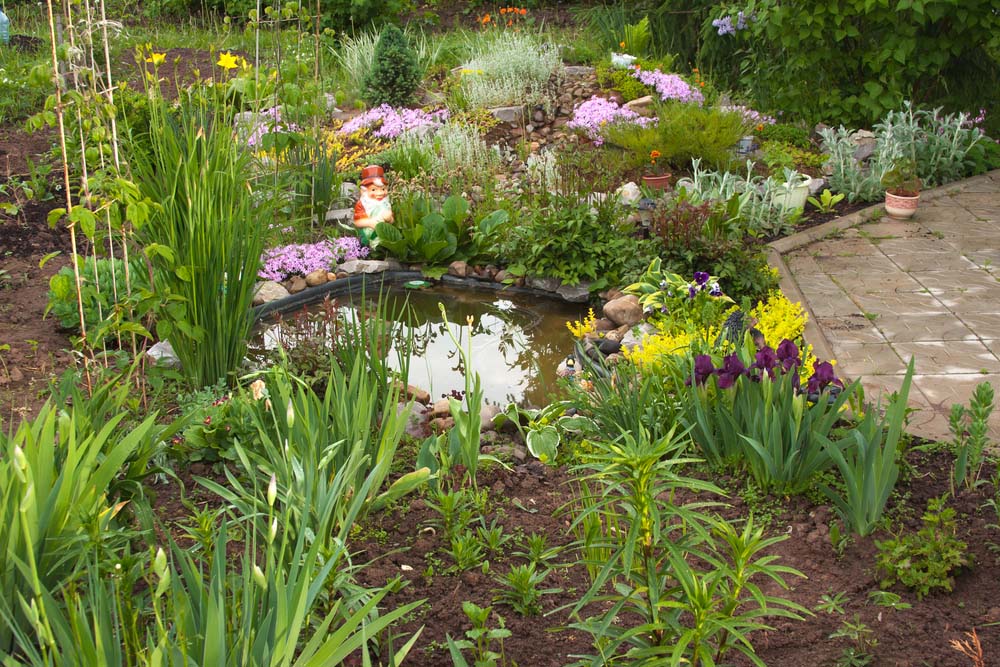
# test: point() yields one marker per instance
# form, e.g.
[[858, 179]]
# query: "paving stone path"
[[880, 291]]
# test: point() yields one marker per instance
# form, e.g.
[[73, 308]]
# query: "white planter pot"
[[793, 197]]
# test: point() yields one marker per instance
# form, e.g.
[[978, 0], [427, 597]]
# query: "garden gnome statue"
[[373, 207]]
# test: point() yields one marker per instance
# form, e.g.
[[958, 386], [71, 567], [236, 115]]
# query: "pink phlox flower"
[[389, 123]]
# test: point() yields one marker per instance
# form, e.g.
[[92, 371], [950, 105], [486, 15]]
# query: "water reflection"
[[517, 341]]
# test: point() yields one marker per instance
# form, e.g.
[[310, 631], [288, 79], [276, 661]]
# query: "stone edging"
[[778, 249], [373, 282]]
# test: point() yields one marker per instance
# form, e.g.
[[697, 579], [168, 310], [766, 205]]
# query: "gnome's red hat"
[[371, 174]]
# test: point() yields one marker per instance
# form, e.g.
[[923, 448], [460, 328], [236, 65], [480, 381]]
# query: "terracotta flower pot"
[[658, 182], [901, 207]]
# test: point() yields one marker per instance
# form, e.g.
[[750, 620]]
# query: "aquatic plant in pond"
[[302, 258], [388, 123]]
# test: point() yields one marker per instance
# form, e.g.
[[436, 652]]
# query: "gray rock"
[[547, 284], [624, 311], [578, 70], [816, 185], [864, 150], [486, 415], [575, 293], [642, 106], [370, 266], [512, 115], [608, 346], [269, 291], [500, 276], [296, 284], [340, 215], [538, 116], [349, 190], [163, 354]]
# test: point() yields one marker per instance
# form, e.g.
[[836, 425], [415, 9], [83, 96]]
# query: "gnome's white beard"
[[374, 206]]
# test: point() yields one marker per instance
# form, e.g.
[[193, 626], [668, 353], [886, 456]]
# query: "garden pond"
[[517, 340]]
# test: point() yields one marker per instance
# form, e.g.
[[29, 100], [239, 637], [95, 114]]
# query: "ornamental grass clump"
[[205, 236], [508, 68]]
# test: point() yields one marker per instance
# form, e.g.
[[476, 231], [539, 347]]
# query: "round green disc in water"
[[416, 284]]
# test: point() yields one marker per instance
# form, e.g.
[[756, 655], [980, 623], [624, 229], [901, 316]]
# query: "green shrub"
[[706, 237], [682, 133], [924, 561], [853, 61], [567, 240], [97, 290], [394, 75], [779, 156], [622, 81], [789, 134]]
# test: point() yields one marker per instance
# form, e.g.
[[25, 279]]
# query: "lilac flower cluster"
[[669, 86], [594, 114], [268, 121], [303, 258], [767, 362], [389, 123], [725, 25], [750, 116]]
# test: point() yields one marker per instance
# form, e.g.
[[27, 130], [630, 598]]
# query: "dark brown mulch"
[[906, 638]]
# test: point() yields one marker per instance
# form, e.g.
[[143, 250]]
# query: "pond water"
[[517, 340]]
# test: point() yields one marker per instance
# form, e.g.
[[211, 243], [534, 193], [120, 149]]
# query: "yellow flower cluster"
[[778, 318], [580, 329], [353, 150], [655, 348]]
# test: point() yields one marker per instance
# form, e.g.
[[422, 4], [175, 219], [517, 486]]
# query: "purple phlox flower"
[[703, 369], [303, 258], [788, 355], [750, 116], [724, 25], [766, 360], [596, 113], [714, 289], [732, 368], [700, 277], [669, 86], [267, 122], [822, 377], [389, 123]]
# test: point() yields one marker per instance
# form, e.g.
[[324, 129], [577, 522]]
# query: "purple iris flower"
[[822, 377], [788, 355], [703, 369], [766, 360], [732, 368], [700, 277]]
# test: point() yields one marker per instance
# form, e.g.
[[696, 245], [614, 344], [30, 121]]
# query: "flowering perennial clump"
[[668, 86], [751, 117], [767, 361], [593, 115], [726, 26], [268, 121], [389, 123], [302, 258]]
